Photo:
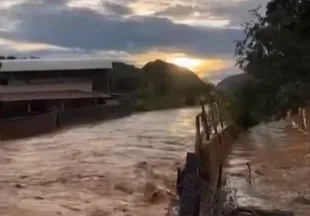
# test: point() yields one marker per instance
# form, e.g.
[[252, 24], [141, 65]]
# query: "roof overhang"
[[32, 65]]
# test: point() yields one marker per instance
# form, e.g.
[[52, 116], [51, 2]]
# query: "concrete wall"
[[27, 126], [38, 124], [215, 152]]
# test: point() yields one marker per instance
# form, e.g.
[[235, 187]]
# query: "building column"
[[29, 106], [107, 82], [62, 105]]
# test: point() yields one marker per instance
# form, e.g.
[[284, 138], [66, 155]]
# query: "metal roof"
[[24, 65], [49, 95]]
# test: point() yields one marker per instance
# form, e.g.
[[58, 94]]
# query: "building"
[[37, 86], [65, 90]]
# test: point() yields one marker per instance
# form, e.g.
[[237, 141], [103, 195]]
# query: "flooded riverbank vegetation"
[[274, 55]]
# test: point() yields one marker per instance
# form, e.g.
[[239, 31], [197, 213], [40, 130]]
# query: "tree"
[[276, 54]]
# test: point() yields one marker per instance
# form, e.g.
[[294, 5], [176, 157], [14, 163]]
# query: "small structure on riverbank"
[[38, 95]]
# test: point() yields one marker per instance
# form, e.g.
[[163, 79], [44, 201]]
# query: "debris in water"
[[152, 193], [302, 200], [123, 187]]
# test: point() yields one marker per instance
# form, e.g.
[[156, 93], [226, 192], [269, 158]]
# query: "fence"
[[213, 142], [199, 184]]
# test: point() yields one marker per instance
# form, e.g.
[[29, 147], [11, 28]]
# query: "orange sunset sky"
[[196, 34]]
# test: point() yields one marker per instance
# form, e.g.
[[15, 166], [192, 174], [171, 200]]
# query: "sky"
[[198, 34]]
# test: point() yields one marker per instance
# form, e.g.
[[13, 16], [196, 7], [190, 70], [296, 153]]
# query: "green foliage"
[[275, 53]]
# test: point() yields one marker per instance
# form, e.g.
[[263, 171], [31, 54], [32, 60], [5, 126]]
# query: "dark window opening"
[[4, 82]]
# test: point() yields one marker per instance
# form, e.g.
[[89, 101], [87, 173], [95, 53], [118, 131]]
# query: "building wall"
[[27, 126], [38, 124], [112, 102], [19, 86], [13, 109], [92, 114]]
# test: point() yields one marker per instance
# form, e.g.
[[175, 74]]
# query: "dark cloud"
[[87, 29], [116, 8]]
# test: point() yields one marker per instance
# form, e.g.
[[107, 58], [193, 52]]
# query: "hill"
[[170, 78], [230, 84], [159, 84]]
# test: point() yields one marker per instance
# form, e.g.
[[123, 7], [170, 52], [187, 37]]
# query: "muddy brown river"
[[111, 168]]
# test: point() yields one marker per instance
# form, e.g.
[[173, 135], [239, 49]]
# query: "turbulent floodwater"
[[96, 170], [279, 158], [110, 168]]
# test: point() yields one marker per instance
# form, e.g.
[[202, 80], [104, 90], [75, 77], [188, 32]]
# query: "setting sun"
[[201, 66], [189, 63]]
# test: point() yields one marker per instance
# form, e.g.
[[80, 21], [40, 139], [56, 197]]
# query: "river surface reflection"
[[103, 169]]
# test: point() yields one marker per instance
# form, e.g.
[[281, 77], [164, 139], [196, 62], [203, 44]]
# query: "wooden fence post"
[[205, 121]]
